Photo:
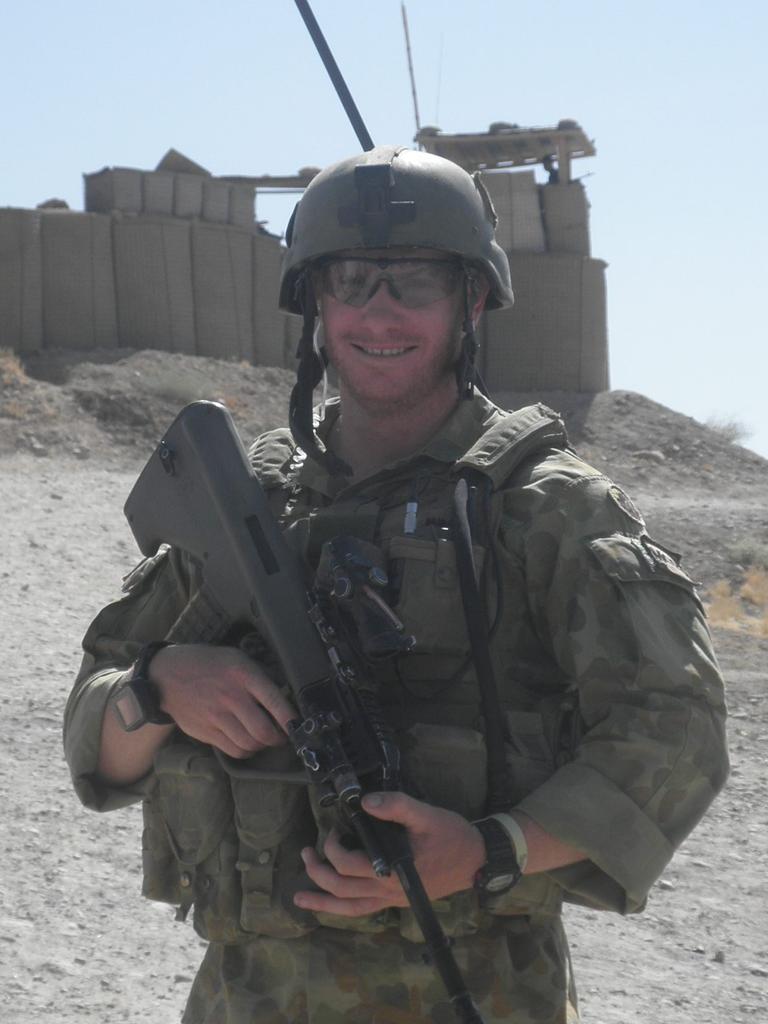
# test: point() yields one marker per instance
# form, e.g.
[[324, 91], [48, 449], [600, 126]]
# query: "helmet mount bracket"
[[376, 211]]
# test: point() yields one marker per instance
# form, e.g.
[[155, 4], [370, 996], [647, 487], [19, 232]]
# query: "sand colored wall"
[[177, 263], [85, 280], [554, 337]]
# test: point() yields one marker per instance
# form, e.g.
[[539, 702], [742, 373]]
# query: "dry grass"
[[723, 607], [750, 551], [11, 370], [741, 606], [13, 409], [754, 589], [731, 430]]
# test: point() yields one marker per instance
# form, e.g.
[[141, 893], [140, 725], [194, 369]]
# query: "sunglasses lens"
[[414, 283]]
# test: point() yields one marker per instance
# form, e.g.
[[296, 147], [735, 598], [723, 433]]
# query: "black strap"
[[477, 630], [308, 376]]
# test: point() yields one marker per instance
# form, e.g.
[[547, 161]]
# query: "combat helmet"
[[390, 196], [394, 196]]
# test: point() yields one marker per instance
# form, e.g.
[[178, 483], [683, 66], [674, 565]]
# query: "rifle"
[[198, 492]]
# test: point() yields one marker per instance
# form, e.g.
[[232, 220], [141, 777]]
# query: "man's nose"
[[376, 289]]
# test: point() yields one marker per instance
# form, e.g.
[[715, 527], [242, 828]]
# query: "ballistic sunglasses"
[[353, 280]]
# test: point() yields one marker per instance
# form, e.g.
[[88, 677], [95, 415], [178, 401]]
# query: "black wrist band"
[[149, 695], [137, 701]]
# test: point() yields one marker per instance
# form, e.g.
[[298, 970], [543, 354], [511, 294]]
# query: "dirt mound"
[[116, 404]]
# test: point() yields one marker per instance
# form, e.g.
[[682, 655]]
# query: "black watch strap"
[[501, 870], [137, 701]]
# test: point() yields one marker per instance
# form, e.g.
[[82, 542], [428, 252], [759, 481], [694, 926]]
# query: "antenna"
[[410, 66], [335, 75], [439, 78]]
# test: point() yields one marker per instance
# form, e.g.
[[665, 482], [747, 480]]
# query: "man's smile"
[[390, 351]]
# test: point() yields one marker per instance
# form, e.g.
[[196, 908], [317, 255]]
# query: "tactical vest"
[[224, 836]]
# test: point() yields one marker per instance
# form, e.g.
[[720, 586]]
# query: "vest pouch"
[[428, 597], [190, 843], [445, 765], [274, 822]]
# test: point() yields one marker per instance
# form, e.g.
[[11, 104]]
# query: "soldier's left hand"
[[447, 849]]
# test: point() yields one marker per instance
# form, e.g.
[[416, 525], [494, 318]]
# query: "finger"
[[322, 903], [353, 863], [230, 726], [219, 739], [329, 879], [257, 724], [272, 699]]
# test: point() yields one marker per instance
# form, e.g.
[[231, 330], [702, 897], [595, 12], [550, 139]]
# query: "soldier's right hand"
[[218, 695]]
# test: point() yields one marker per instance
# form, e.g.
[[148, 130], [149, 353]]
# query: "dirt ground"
[[78, 945]]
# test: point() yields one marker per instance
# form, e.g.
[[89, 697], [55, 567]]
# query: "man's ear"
[[480, 290]]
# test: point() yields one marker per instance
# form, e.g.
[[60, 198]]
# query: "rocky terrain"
[[77, 943]]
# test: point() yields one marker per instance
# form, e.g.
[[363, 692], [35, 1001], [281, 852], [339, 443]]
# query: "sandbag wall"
[[178, 264], [88, 280], [555, 337], [169, 194]]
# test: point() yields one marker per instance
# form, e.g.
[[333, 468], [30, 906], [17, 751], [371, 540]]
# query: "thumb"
[[397, 807]]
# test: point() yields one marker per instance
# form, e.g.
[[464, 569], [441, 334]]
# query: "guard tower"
[[555, 337]]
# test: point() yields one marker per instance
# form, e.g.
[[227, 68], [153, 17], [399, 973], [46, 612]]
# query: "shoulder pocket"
[[639, 559], [657, 591]]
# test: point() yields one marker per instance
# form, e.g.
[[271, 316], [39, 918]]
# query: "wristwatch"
[[504, 863], [137, 701]]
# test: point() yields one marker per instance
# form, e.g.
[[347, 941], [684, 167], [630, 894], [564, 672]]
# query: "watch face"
[[500, 882], [128, 709]]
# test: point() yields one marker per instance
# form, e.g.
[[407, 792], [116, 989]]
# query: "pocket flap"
[[194, 800], [637, 559]]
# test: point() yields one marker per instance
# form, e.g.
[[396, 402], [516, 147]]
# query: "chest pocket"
[[427, 594]]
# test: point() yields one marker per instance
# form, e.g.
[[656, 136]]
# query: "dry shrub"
[[723, 607], [743, 607], [754, 589], [731, 430], [750, 551], [11, 369], [13, 409]]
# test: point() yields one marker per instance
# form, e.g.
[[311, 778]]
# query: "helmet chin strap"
[[467, 375], [308, 375]]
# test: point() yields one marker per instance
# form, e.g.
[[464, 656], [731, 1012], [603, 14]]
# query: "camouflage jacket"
[[611, 692]]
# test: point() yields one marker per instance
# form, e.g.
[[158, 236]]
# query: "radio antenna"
[[335, 75], [410, 67]]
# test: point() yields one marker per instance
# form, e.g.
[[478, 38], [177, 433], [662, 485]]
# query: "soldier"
[[609, 695]]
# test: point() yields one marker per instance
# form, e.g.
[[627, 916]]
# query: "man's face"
[[389, 356]]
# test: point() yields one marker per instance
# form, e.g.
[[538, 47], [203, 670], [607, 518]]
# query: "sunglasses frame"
[[383, 262]]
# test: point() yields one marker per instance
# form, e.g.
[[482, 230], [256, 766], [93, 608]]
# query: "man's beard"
[[434, 378]]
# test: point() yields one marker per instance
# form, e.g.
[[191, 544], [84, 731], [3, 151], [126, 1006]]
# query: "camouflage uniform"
[[614, 707]]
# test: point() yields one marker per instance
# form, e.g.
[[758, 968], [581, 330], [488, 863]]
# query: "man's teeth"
[[385, 351]]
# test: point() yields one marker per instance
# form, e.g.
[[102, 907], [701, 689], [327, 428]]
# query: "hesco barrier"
[[21, 283], [86, 280], [169, 193], [554, 338], [188, 271]]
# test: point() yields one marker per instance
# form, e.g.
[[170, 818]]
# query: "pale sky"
[[673, 93]]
